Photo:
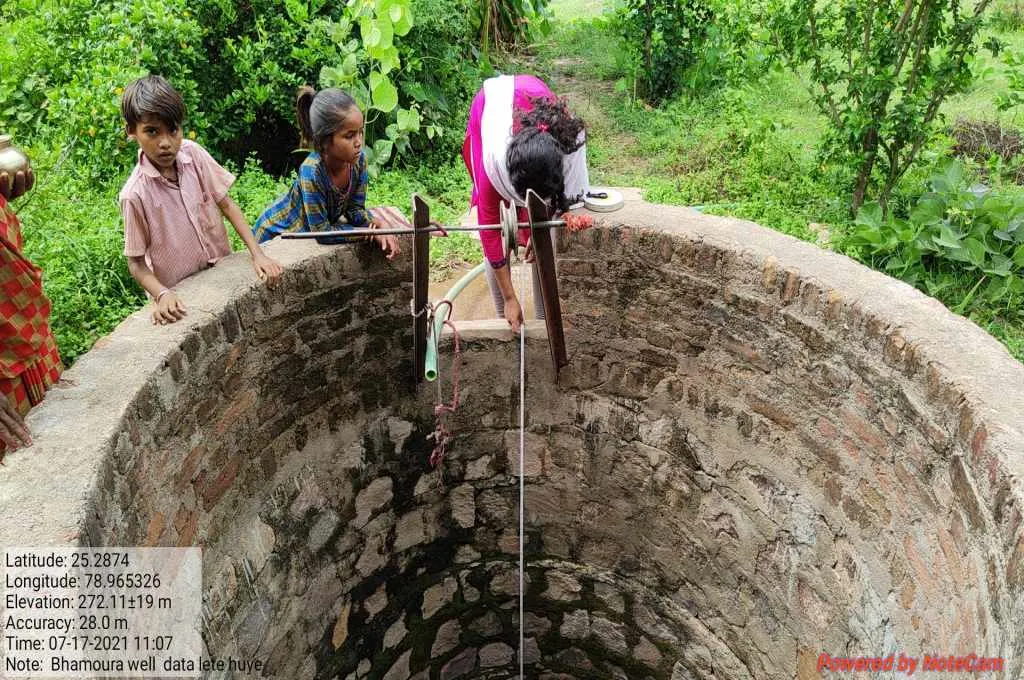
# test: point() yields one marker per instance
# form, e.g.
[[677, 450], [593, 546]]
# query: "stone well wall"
[[760, 452]]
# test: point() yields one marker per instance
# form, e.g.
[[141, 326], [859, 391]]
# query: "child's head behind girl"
[[547, 134], [331, 123], [153, 112]]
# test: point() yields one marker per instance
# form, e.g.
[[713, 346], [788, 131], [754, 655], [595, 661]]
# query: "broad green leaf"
[[339, 31], [387, 34], [948, 178], [404, 23], [408, 120], [947, 238], [360, 93], [331, 76], [1018, 256], [388, 58], [894, 264], [350, 65], [382, 150], [416, 91], [977, 251], [929, 210], [1000, 266], [298, 10], [385, 95], [373, 37], [869, 235], [870, 215]]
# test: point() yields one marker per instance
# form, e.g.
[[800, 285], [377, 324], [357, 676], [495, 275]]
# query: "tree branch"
[[816, 51]]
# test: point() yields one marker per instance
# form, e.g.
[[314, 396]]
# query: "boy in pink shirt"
[[174, 202]]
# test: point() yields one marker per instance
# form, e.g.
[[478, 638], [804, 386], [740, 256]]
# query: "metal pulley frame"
[[539, 224]]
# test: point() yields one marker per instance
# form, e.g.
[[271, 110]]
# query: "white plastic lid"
[[602, 199]]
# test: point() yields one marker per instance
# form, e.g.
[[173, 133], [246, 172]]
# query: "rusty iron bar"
[[399, 231], [420, 282], [544, 253]]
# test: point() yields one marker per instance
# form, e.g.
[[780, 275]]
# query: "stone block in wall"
[[395, 634], [371, 499], [410, 530], [562, 587], [647, 653], [461, 664], [439, 595], [400, 669], [610, 634], [535, 452], [487, 625], [496, 654], [462, 503], [575, 625], [323, 530], [531, 651], [446, 639]]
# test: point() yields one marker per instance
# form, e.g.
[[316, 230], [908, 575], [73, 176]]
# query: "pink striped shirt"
[[180, 229]]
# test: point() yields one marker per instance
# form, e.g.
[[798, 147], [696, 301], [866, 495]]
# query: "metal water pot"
[[12, 160]]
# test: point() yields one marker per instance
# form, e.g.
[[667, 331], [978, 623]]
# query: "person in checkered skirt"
[[29, 362]]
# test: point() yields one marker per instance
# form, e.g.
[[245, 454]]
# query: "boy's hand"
[[12, 427], [169, 308], [267, 269]]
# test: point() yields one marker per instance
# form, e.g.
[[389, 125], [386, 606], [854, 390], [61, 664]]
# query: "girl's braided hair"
[[547, 133]]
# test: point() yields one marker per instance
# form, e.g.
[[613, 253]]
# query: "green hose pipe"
[[430, 361]]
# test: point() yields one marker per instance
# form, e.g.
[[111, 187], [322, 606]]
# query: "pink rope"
[[442, 436]]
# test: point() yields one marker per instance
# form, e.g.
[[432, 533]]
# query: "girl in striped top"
[[330, 191]]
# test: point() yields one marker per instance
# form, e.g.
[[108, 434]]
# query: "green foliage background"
[[735, 131], [63, 66]]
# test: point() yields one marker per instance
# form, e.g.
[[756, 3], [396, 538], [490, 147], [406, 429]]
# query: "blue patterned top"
[[314, 204]]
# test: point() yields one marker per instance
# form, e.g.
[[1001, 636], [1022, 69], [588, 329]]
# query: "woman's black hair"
[[547, 133], [152, 96], [535, 162], [320, 114]]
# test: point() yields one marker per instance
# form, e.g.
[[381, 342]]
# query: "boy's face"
[[347, 141], [158, 141]]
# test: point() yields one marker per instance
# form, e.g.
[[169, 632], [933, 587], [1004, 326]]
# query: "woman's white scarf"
[[496, 132]]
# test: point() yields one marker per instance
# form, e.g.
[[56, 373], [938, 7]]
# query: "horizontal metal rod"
[[409, 230]]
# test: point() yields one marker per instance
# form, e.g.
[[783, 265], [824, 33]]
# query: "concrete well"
[[760, 453]]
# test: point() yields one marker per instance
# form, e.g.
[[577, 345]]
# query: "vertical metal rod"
[[544, 253], [420, 283]]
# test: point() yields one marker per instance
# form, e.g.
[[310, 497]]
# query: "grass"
[[571, 10]]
